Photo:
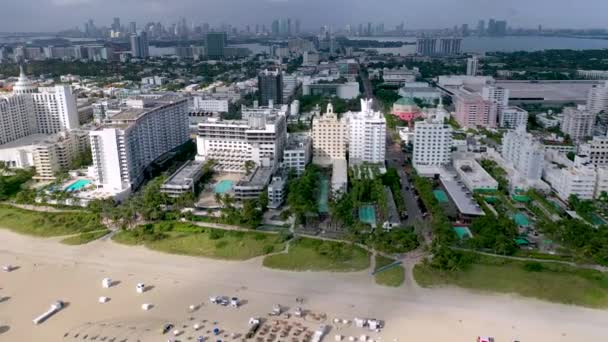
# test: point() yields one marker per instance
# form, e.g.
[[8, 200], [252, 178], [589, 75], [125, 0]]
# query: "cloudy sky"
[[51, 15]]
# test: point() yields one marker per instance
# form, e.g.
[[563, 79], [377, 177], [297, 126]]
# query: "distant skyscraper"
[[464, 30], [450, 46], [132, 27], [139, 45], [297, 32], [116, 24], [275, 28], [481, 28], [215, 43], [426, 46], [472, 66], [270, 85]]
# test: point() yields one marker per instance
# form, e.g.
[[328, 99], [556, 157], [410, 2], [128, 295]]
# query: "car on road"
[[166, 328]]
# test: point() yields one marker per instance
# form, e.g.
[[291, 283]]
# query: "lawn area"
[[45, 224], [393, 277], [187, 239], [84, 238], [316, 255], [546, 281]]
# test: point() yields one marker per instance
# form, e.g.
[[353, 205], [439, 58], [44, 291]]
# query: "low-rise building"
[[47, 154], [253, 184], [339, 177], [276, 192], [398, 77], [184, 180], [578, 179], [473, 176], [297, 153]]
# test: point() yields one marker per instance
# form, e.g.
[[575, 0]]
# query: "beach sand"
[[49, 271]]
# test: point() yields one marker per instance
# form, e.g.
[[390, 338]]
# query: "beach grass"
[[307, 254], [84, 238], [46, 224], [186, 239], [393, 277], [546, 281]]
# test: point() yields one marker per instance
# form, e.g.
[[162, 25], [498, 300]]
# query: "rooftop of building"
[[297, 141], [34, 139], [185, 174], [474, 173], [148, 104], [462, 198], [260, 177]]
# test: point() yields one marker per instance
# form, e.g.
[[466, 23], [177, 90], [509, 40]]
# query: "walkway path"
[[568, 263]]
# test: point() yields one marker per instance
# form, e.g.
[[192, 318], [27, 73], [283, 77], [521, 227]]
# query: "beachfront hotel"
[[261, 138], [329, 137], [131, 140], [366, 134]]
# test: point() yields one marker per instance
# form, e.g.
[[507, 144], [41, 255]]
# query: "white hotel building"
[[35, 125], [432, 142], [366, 135], [525, 153], [231, 143], [130, 141]]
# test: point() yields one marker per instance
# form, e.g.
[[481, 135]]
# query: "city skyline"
[[44, 15]]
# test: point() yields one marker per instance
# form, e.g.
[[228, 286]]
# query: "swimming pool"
[[77, 185], [223, 186], [367, 214]]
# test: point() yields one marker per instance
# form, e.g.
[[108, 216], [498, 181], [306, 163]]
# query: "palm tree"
[[218, 198], [249, 165]]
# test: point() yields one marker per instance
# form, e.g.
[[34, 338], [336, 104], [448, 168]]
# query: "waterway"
[[504, 44]]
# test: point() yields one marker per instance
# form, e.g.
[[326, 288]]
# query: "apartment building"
[[297, 153], [512, 117], [55, 109], [366, 134], [472, 110], [231, 143], [597, 98], [329, 137], [432, 143], [578, 122], [524, 152], [579, 179], [131, 140], [48, 154], [596, 150]]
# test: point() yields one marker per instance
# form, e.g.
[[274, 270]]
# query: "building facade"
[[524, 152], [577, 122], [596, 150], [597, 98], [329, 137], [130, 141], [297, 153], [366, 135], [472, 110], [512, 117], [270, 85], [232, 143], [139, 45], [432, 143], [215, 43]]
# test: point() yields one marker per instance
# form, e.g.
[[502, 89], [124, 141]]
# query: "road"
[[396, 158]]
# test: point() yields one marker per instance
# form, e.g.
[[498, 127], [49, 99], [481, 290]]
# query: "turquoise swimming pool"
[[223, 186], [77, 185], [367, 214]]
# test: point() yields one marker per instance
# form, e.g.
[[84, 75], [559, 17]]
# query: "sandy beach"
[[49, 271]]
